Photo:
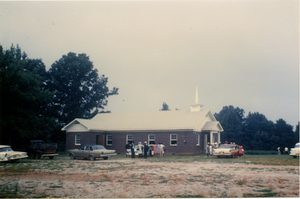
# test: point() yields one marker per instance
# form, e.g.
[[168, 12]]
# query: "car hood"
[[218, 150], [72, 150], [295, 149], [101, 150]]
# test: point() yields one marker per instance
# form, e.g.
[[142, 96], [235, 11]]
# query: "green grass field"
[[247, 159]]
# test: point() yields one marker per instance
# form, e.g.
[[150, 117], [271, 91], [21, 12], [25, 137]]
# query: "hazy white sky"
[[243, 53]]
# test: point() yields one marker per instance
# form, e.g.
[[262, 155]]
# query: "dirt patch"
[[139, 178]]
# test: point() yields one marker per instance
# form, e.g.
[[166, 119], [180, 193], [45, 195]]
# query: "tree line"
[[36, 103], [255, 131]]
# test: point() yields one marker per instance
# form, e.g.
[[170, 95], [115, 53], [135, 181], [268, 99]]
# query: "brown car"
[[91, 152]]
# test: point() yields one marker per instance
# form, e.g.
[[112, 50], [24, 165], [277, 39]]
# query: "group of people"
[[158, 149], [286, 150], [210, 149], [155, 149]]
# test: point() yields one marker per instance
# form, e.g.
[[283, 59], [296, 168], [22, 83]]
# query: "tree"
[[165, 107], [255, 132], [285, 134], [231, 120], [23, 99], [79, 91], [259, 132]]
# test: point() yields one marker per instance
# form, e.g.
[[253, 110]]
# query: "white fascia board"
[[74, 130], [65, 127], [138, 131]]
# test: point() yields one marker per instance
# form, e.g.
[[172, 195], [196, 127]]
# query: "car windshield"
[[5, 149], [98, 147], [226, 147], [297, 146]]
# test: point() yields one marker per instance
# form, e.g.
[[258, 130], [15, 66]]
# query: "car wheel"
[[72, 157], [37, 156], [105, 158], [92, 158], [51, 157]]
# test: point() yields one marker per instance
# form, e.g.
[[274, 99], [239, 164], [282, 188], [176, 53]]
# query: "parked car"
[[136, 151], [91, 152], [7, 154], [227, 150], [295, 151]]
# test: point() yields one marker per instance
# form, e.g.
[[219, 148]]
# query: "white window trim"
[[198, 139], [173, 140], [127, 138], [77, 139], [108, 140], [150, 139]]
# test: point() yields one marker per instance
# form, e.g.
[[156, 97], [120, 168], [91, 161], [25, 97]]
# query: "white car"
[[7, 154], [136, 151], [295, 151], [227, 150]]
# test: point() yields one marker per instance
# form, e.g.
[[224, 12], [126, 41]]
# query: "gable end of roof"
[[76, 125]]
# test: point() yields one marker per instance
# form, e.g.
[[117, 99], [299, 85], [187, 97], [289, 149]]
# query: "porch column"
[[219, 137], [211, 137]]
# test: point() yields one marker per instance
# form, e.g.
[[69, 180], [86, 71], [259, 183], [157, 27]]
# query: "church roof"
[[148, 121], [196, 119]]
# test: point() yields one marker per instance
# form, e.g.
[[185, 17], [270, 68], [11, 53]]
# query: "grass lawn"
[[247, 159]]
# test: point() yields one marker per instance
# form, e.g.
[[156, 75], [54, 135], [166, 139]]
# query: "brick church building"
[[182, 132]]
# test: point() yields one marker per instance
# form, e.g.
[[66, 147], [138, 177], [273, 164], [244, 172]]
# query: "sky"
[[243, 53]]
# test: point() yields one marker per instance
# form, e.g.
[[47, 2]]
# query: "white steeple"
[[196, 97], [196, 106]]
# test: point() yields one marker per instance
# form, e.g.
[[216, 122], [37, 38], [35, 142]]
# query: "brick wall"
[[186, 140]]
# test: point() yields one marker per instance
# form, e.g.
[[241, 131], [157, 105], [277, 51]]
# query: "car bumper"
[[47, 155], [294, 154], [222, 154], [6, 159], [107, 154]]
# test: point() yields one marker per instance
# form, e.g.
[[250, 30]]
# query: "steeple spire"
[[196, 106], [196, 97]]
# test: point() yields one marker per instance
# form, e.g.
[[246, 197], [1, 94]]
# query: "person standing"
[[210, 150], [146, 147], [278, 149], [154, 149], [140, 150], [241, 151], [158, 149], [132, 149], [286, 150], [207, 150], [162, 147], [127, 146]]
